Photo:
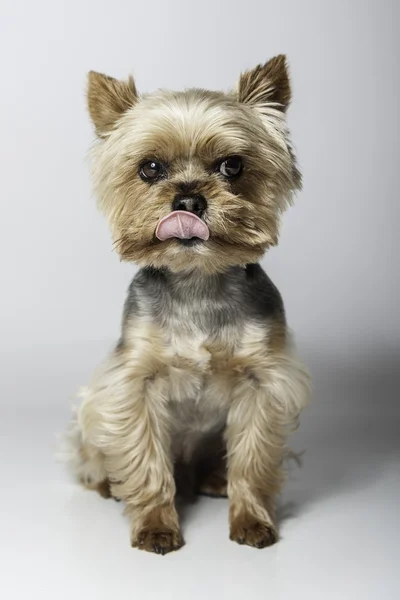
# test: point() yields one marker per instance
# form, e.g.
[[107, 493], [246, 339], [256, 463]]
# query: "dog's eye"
[[231, 167], [151, 170]]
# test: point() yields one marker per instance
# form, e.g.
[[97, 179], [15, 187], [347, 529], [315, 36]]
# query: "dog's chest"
[[199, 385], [195, 359]]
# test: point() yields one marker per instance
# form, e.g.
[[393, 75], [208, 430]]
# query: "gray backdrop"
[[62, 287]]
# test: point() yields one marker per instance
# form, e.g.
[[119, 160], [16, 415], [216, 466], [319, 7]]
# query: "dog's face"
[[194, 179]]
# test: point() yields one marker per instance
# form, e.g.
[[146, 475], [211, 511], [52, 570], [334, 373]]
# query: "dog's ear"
[[266, 84], [108, 99]]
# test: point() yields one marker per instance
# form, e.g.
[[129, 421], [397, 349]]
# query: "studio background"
[[62, 289]]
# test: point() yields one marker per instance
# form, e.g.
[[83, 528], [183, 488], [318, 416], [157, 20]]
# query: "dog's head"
[[194, 179]]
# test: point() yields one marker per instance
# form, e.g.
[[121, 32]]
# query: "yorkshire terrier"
[[204, 377]]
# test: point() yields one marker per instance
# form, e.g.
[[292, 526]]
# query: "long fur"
[[205, 360]]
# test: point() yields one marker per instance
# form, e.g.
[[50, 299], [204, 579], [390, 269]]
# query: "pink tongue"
[[183, 225]]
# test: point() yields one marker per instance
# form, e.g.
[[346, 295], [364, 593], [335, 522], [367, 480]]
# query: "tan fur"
[[267, 83], [160, 532], [170, 386], [246, 529], [103, 488], [211, 125], [131, 410], [108, 99], [215, 485]]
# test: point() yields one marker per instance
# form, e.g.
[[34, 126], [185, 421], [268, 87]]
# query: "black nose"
[[194, 204]]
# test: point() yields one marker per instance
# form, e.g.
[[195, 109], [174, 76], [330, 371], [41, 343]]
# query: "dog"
[[204, 379]]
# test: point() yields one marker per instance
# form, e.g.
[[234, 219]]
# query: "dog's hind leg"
[[85, 462], [211, 468]]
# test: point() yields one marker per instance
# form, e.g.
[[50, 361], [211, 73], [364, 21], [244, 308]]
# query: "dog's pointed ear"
[[266, 84], [108, 99]]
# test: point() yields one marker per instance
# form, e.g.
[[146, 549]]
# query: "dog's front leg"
[[126, 416], [265, 406], [145, 473]]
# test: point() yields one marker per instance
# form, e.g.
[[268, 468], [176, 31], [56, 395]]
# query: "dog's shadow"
[[349, 433]]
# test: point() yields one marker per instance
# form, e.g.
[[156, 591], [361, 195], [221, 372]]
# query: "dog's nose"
[[194, 204]]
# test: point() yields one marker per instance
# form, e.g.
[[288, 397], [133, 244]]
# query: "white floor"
[[340, 513]]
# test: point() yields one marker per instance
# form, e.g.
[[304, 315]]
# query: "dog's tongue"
[[183, 225]]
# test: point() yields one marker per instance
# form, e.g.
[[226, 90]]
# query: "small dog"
[[204, 379]]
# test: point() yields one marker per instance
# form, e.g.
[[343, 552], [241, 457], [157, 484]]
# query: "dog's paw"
[[104, 489], [214, 485], [160, 540], [253, 533]]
